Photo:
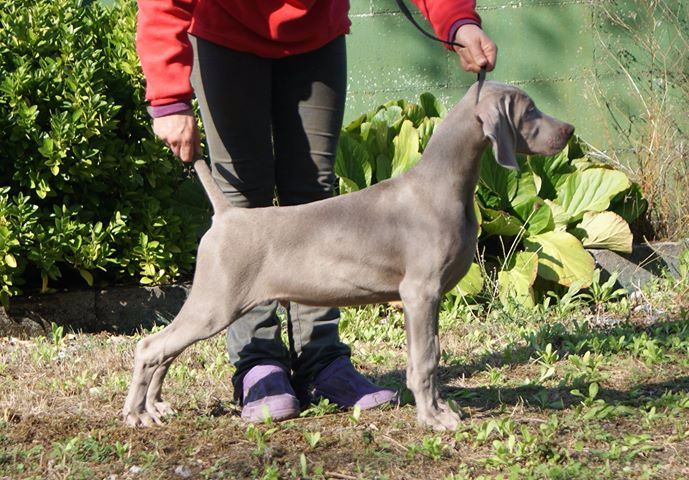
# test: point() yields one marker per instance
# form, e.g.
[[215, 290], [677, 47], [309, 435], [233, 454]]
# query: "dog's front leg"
[[423, 346]]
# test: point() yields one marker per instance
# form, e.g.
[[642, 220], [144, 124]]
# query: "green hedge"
[[85, 187]]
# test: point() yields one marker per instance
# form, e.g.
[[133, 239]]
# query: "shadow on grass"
[[560, 397], [623, 338], [576, 341]]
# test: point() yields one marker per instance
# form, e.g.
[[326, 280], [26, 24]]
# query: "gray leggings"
[[272, 127]]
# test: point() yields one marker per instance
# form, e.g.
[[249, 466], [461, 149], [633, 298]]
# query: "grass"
[[563, 391]]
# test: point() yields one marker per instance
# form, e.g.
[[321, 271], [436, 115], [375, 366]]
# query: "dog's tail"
[[215, 195]]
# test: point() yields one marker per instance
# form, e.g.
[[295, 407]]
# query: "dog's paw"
[[142, 419], [162, 409], [439, 418]]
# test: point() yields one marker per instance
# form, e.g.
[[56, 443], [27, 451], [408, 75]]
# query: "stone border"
[[645, 264], [126, 309]]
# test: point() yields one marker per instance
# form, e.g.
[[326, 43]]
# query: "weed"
[[57, 334], [122, 450], [431, 447], [587, 367], [355, 415], [647, 349], [601, 294], [323, 407], [259, 438], [593, 408], [373, 324], [495, 375], [548, 357], [271, 472], [303, 464], [312, 438]]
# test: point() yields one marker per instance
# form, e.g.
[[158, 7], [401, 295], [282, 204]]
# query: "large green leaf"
[[501, 181], [516, 280], [406, 149], [549, 171], [561, 258], [497, 222], [384, 126], [479, 216], [526, 188], [380, 136], [560, 215], [432, 106], [390, 115], [426, 129], [585, 163], [365, 130], [471, 284], [536, 215], [629, 204], [590, 190], [355, 124], [605, 230], [383, 167], [415, 113], [353, 163]]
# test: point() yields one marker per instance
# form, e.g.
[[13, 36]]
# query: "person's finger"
[[490, 50], [174, 148], [187, 150], [478, 59], [467, 61], [197, 142]]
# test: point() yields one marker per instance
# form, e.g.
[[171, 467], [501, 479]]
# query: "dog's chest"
[[459, 252]]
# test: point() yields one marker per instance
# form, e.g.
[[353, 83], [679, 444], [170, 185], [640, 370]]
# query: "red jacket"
[[269, 28]]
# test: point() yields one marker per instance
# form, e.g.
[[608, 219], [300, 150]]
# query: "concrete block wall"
[[557, 50]]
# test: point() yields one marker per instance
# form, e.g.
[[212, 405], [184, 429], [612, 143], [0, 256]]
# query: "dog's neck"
[[452, 158]]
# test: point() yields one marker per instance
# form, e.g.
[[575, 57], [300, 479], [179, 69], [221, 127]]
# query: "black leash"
[[405, 11]]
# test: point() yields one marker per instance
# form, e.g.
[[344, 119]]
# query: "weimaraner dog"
[[409, 238]]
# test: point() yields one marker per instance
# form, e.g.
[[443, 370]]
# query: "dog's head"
[[513, 124]]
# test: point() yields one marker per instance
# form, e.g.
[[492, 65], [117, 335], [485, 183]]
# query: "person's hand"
[[479, 52], [181, 134]]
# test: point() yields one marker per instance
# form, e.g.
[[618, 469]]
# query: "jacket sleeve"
[[446, 15], [164, 49]]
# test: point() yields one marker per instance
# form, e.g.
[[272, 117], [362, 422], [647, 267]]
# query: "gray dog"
[[410, 238]]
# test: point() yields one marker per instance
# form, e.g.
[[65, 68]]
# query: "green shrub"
[[85, 186], [543, 216]]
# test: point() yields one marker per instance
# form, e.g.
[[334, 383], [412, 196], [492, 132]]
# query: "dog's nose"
[[567, 130]]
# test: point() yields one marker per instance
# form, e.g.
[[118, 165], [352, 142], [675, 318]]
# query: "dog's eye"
[[531, 108]]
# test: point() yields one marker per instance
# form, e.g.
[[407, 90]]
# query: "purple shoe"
[[266, 391], [340, 383]]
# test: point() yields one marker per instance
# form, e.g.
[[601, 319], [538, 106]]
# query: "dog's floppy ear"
[[496, 120]]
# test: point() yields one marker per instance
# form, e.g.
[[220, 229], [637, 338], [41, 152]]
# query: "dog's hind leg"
[[154, 400], [423, 346], [155, 353]]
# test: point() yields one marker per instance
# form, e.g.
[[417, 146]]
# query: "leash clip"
[[480, 78]]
